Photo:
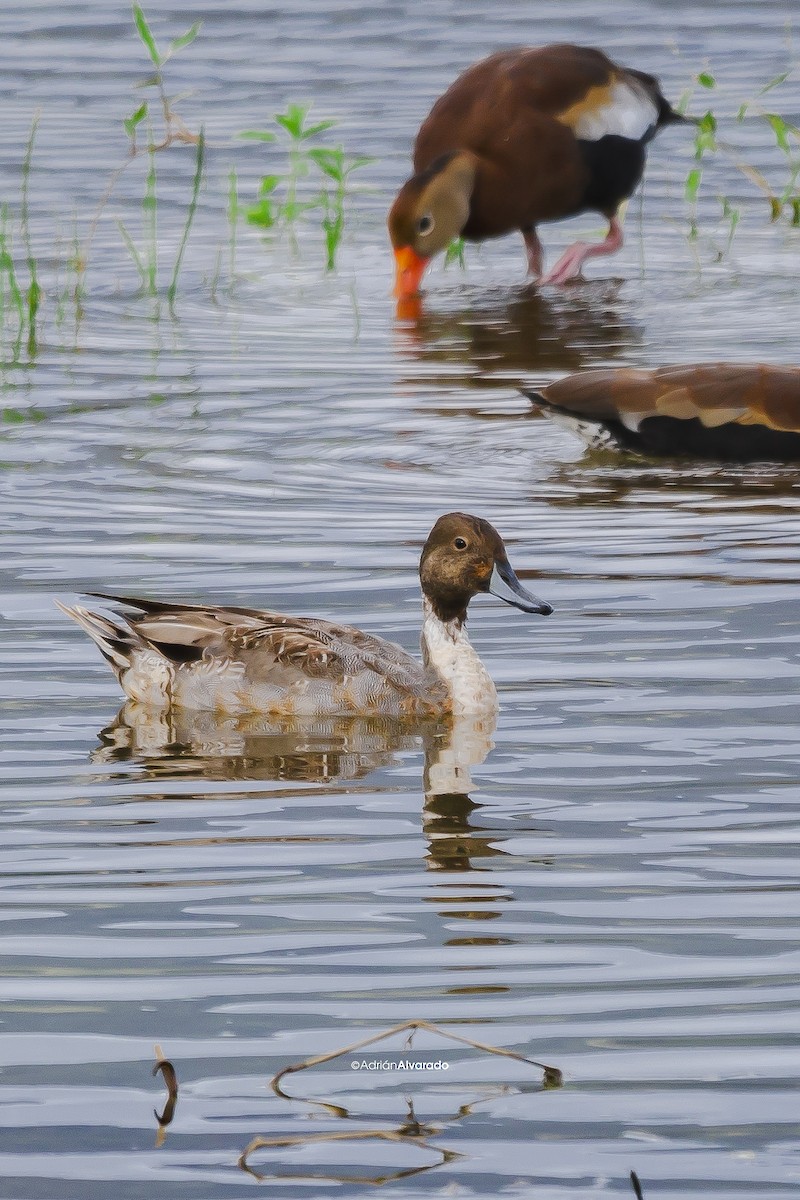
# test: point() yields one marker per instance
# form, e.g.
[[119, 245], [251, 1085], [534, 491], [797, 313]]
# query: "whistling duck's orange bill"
[[409, 269]]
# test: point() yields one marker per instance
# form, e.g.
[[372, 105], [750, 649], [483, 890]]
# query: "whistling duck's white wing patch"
[[623, 107]]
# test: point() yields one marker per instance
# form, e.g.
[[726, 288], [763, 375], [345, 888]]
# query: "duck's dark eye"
[[425, 224], [460, 543]]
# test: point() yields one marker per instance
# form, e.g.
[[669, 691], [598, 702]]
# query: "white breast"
[[448, 651]]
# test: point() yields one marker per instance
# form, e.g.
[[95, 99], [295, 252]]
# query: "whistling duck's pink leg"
[[571, 261], [533, 249]]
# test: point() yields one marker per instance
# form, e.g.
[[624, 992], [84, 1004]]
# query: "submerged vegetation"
[[305, 195], [782, 197], [285, 198]]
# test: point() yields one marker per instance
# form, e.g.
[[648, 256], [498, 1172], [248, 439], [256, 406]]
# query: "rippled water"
[[611, 888]]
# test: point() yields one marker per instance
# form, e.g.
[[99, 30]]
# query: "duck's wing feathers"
[[578, 87], [269, 646], [713, 393]]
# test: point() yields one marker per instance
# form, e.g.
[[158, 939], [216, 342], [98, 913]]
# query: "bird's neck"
[[448, 653]]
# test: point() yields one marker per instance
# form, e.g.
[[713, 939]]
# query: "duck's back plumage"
[[241, 659], [729, 411]]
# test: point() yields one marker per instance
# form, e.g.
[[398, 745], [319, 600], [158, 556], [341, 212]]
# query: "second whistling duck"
[[237, 660], [526, 136], [727, 412]]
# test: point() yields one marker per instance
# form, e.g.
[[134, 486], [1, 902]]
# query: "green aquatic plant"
[[783, 201], [336, 166], [20, 298], [456, 253], [286, 196], [173, 130]]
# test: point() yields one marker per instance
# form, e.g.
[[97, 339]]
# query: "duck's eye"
[[425, 224], [460, 543]]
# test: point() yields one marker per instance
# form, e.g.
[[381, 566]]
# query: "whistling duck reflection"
[[503, 338]]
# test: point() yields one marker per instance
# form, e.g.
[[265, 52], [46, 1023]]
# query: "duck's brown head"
[[431, 208], [465, 555]]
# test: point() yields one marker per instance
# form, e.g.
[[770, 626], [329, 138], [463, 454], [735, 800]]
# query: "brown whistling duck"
[[728, 412], [526, 136]]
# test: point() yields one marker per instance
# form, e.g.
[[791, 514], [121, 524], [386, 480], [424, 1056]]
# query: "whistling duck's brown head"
[[465, 555], [430, 210]]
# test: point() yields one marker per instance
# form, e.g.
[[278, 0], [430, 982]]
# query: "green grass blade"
[[150, 221], [133, 120], [134, 253], [185, 39], [190, 213], [143, 29], [34, 291], [233, 218]]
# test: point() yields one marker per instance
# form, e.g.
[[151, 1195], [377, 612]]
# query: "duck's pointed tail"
[[115, 643]]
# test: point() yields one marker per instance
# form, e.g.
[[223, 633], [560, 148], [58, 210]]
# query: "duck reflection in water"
[[503, 339], [182, 743]]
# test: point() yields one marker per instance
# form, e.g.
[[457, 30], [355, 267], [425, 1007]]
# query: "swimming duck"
[[233, 660], [526, 136], [729, 412]]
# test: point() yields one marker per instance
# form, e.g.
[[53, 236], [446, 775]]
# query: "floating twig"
[[165, 1068], [385, 1135], [552, 1075]]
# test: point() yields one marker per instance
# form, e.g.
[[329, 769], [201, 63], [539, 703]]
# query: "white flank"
[[630, 113], [593, 433]]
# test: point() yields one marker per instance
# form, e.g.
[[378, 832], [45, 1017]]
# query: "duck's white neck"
[[448, 652]]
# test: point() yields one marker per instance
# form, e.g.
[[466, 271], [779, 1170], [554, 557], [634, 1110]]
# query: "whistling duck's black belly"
[[671, 437], [615, 165]]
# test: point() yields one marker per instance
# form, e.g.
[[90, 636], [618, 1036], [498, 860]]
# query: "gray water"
[[611, 887]]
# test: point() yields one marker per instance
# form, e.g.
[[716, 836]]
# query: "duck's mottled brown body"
[[238, 660], [524, 137], [732, 412]]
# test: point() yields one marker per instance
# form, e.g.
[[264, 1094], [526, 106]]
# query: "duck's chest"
[[448, 652]]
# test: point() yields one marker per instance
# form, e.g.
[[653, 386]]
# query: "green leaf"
[[706, 80], [455, 253], [185, 39], [268, 184], [257, 135], [260, 214], [134, 119], [292, 120], [13, 416], [292, 209], [313, 130], [781, 130], [330, 162], [360, 160], [773, 83], [693, 183], [795, 204], [775, 208], [143, 29]]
